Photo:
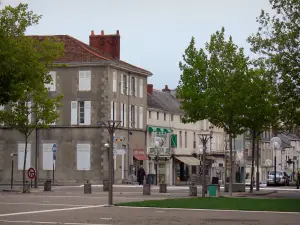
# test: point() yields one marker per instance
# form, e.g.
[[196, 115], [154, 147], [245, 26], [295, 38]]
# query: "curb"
[[11, 191]]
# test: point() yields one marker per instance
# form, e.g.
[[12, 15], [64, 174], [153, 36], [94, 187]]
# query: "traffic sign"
[[31, 173], [54, 150]]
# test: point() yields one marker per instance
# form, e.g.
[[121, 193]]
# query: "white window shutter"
[[88, 80], [135, 117], [122, 84], [141, 118], [47, 157], [128, 85], [21, 156], [87, 113], [125, 116], [114, 82], [122, 115], [130, 117], [111, 110], [52, 86], [141, 88], [115, 111], [83, 156], [73, 113], [29, 111], [136, 87], [81, 80]]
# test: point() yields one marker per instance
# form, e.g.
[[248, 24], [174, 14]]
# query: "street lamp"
[[204, 136], [111, 126], [12, 169]]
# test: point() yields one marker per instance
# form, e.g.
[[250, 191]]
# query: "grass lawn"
[[251, 204]]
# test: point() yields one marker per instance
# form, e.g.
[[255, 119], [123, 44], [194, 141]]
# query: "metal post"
[[203, 172], [36, 156], [12, 174], [275, 170], [110, 169], [53, 173], [257, 165]]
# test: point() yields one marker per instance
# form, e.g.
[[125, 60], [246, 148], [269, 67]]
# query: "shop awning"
[[189, 160], [159, 130], [210, 157], [140, 157]]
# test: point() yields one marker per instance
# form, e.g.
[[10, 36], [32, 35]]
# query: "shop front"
[[139, 157], [184, 168]]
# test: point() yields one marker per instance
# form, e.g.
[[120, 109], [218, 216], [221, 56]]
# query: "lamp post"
[[12, 169], [204, 136], [111, 126]]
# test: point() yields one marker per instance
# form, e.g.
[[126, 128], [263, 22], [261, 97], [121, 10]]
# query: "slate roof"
[[286, 139], [164, 101], [78, 51]]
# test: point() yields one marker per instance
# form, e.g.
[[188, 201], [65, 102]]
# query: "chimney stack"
[[166, 89], [150, 88], [109, 43]]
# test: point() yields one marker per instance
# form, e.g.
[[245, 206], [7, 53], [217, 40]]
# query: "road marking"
[[51, 210], [105, 218], [50, 204], [211, 210], [39, 222], [160, 211]]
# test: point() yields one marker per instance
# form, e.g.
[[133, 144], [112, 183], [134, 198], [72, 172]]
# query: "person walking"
[[141, 175]]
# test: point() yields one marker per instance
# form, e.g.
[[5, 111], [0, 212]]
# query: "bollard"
[[87, 188], [105, 185], [26, 188], [192, 190], [146, 189], [162, 188], [47, 185]]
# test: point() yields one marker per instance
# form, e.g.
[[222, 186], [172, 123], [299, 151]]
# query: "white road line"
[[211, 210], [105, 218], [50, 204], [51, 210], [39, 222]]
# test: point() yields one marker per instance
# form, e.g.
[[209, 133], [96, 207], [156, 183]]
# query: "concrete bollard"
[[87, 188], [26, 188], [105, 185], [47, 185], [146, 189], [192, 190], [162, 188]]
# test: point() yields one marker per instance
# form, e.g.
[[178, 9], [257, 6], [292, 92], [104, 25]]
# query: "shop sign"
[[138, 151]]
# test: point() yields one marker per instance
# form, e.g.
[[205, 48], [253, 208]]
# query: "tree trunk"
[[257, 165], [231, 165], [252, 160], [24, 165]]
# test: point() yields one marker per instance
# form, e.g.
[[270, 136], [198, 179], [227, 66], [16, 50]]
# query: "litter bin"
[[151, 179], [214, 190], [87, 188], [105, 185], [47, 185]]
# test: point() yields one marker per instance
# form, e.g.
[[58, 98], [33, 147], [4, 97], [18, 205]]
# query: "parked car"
[[281, 178]]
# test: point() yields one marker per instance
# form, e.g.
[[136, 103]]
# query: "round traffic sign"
[[31, 173]]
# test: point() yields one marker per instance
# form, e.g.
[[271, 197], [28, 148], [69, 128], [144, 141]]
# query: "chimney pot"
[[118, 33], [150, 88], [92, 33], [166, 89], [102, 32]]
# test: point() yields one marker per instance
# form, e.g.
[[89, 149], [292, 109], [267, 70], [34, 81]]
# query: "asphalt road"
[[69, 206]]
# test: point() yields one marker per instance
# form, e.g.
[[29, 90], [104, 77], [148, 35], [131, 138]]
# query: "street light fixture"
[[205, 136], [111, 126]]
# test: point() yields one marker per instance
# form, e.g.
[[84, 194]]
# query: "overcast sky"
[[154, 33]]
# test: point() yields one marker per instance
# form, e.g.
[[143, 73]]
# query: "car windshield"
[[277, 173]]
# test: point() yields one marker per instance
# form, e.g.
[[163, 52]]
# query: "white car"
[[281, 178]]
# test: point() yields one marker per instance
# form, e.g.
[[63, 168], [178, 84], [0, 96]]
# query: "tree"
[[212, 86], [36, 104], [278, 40], [23, 60], [262, 111]]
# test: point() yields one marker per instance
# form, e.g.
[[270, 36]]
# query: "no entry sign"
[[31, 173]]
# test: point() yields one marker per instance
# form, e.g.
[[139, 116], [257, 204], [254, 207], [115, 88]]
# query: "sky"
[[155, 33]]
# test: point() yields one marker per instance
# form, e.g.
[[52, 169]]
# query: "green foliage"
[[212, 83], [24, 61], [278, 40]]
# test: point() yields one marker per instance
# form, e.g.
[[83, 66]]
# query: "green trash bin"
[[214, 190]]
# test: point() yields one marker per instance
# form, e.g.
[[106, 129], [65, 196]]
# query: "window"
[[114, 83], [157, 115], [133, 116], [83, 156], [172, 117], [124, 84], [185, 140], [47, 157], [141, 88], [141, 118], [85, 80], [123, 115], [165, 117], [180, 139], [81, 113], [21, 156], [1, 109], [133, 86], [149, 114], [52, 85], [113, 110]]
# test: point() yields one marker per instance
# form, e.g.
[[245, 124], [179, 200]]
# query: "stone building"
[[97, 86]]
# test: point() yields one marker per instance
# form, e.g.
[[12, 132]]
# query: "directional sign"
[[54, 150], [31, 173]]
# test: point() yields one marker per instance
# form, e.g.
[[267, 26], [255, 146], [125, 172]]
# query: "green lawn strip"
[[250, 204]]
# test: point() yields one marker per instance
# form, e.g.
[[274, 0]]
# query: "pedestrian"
[[141, 175]]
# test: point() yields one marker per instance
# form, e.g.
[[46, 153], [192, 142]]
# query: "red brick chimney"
[[109, 43], [166, 89], [150, 88]]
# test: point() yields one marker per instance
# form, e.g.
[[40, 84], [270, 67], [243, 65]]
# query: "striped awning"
[[189, 160]]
